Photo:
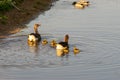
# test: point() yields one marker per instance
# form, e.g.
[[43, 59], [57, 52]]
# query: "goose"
[[35, 37], [62, 45], [44, 42], [53, 43], [78, 5], [76, 50]]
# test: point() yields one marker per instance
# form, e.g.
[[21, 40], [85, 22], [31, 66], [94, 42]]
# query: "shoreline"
[[17, 19]]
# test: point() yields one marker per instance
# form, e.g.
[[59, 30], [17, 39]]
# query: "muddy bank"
[[16, 19]]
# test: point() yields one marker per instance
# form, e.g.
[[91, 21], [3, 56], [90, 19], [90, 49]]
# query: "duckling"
[[53, 43], [44, 42], [32, 44], [33, 37], [62, 45], [65, 50], [76, 50], [78, 5]]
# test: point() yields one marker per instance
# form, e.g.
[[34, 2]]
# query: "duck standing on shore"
[[62, 45], [34, 37]]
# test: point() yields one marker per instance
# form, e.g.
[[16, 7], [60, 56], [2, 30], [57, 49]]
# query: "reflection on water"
[[17, 52], [33, 47]]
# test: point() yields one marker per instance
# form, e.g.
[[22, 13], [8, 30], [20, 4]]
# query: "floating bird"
[[62, 45], [76, 50], [53, 43], [35, 37], [78, 5], [44, 42], [65, 50], [85, 3]]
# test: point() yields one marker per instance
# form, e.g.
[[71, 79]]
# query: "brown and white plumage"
[[33, 37], [60, 47], [63, 44]]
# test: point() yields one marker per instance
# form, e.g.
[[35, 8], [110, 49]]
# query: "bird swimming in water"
[[44, 42], [76, 50], [53, 43], [62, 45], [35, 37], [78, 5], [84, 2]]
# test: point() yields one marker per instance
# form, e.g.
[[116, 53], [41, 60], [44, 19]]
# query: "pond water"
[[95, 30]]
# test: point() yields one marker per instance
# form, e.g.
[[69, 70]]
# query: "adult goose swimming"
[[62, 45], [35, 37]]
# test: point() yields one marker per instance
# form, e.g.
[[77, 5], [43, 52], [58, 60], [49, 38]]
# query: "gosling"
[[44, 42], [76, 50]]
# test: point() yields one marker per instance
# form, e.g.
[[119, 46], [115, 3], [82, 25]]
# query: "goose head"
[[66, 38], [36, 28]]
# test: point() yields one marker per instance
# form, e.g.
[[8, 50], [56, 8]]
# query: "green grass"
[[5, 5]]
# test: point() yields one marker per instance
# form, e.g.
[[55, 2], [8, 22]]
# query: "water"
[[94, 30]]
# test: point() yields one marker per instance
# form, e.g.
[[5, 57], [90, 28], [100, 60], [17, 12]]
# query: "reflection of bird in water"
[[34, 49], [44, 42], [53, 43], [35, 37], [76, 50], [62, 45]]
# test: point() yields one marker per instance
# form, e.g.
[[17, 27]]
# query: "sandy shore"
[[29, 9]]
